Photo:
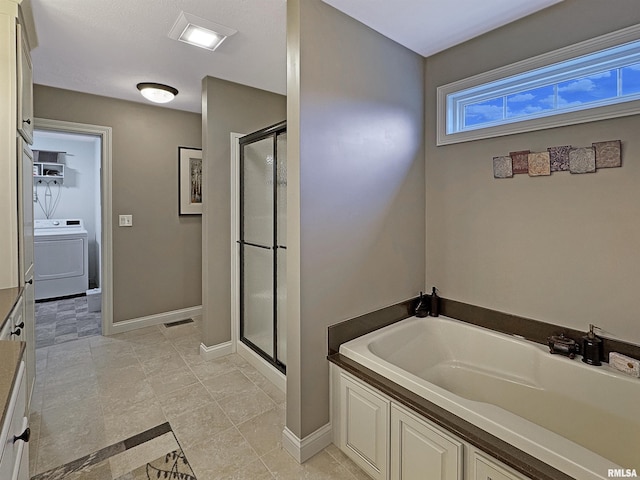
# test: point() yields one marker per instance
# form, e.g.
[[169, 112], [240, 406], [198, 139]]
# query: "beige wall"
[[561, 249], [227, 107], [355, 188], [157, 262]]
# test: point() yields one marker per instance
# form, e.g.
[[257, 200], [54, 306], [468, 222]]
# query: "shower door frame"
[[273, 131]]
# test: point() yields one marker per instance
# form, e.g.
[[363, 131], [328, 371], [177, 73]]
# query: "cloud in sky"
[[522, 97], [581, 85], [481, 113]]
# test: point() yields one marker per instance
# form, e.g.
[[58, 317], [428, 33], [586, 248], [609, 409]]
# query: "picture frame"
[[189, 181]]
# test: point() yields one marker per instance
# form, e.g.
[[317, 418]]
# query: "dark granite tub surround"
[[527, 328]]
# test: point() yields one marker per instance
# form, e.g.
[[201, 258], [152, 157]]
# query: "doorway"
[[262, 243], [73, 184]]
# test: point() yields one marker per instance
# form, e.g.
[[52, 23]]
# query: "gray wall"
[[157, 262], [355, 198], [561, 249], [227, 107]]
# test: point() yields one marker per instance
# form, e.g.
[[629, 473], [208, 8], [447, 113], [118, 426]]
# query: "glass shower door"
[[262, 245]]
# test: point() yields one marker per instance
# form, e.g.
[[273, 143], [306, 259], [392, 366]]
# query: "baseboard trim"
[[303, 450], [273, 375], [157, 319], [216, 351]]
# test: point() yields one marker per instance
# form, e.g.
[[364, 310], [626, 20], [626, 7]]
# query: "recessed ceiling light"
[[156, 92], [199, 31]]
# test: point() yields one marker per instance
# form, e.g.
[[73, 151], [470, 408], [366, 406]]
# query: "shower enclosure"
[[263, 246]]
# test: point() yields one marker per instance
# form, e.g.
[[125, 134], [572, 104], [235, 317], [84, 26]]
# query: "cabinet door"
[[25, 209], [29, 319], [16, 320], [420, 451], [486, 468], [364, 425], [25, 87]]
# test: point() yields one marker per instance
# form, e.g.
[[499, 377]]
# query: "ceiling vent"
[[199, 31]]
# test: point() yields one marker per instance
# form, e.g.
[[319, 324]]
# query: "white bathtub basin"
[[580, 419]]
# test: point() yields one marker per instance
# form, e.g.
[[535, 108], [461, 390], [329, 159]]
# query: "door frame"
[[106, 207]]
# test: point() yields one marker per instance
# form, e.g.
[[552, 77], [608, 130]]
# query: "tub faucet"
[[422, 309]]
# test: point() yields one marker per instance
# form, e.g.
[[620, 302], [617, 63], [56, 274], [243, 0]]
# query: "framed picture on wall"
[[190, 181]]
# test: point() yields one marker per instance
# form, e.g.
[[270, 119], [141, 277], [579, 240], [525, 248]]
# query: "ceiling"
[[107, 47]]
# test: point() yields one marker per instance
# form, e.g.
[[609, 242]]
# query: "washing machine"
[[61, 258]]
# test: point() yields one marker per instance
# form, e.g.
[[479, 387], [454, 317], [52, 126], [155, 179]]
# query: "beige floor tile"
[[204, 369], [253, 471], [230, 383], [63, 360], [196, 425], [70, 444], [70, 418], [61, 394], [70, 375], [184, 399], [108, 360], [320, 467], [248, 403], [100, 471], [220, 456], [277, 395], [158, 360], [129, 375], [117, 396], [131, 419], [347, 463], [264, 431], [171, 379], [139, 332]]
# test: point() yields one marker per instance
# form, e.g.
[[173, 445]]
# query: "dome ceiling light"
[[157, 92]]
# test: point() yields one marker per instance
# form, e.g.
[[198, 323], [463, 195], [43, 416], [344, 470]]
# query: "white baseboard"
[[157, 319], [303, 450], [274, 375], [216, 351]]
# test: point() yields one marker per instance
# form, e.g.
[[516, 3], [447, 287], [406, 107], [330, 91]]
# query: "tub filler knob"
[[563, 345]]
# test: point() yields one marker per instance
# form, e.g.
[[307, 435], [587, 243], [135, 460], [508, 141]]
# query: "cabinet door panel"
[[24, 119], [365, 428], [422, 452]]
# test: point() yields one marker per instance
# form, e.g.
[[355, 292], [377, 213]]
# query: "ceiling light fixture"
[[156, 92], [199, 31]]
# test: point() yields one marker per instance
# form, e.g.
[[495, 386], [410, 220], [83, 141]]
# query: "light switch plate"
[[126, 220]]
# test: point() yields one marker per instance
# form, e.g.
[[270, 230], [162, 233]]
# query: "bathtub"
[[580, 419]]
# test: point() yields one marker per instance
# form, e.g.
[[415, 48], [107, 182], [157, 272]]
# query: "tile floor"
[[59, 321], [228, 418]]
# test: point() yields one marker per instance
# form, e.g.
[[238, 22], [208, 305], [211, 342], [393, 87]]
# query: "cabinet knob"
[[30, 281], [24, 436], [20, 325], [27, 121], [16, 332]]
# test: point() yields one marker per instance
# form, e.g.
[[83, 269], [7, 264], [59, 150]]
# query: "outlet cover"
[[126, 220]]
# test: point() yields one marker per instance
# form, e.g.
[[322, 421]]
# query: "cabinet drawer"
[[486, 468], [15, 424]]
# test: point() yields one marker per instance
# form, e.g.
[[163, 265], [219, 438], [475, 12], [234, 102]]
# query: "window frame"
[[446, 106]]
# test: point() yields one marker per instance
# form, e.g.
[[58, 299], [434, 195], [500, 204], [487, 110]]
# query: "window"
[[589, 81]]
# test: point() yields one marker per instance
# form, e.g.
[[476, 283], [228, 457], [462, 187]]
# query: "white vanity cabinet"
[[14, 435], [364, 427], [420, 450], [13, 327], [390, 442]]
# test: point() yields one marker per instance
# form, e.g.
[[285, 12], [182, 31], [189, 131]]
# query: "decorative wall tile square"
[[559, 158], [502, 167], [582, 160], [539, 164], [520, 161], [608, 154]]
